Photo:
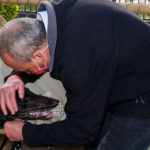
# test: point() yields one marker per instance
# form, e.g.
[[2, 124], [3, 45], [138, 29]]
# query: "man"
[[100, 51]]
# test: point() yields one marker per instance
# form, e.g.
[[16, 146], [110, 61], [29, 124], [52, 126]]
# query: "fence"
[[30, 11], [27, 11], [29, 7], [133, 1], [143, 15]]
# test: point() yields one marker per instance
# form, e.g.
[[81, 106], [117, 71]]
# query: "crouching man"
[[101, 53]]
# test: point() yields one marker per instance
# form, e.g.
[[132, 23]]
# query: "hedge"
[[9, 11]]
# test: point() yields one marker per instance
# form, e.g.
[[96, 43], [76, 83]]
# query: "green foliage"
[[144, 16], [8, 11]]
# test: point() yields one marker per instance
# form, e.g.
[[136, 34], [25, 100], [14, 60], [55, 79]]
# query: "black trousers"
[[124, 132]]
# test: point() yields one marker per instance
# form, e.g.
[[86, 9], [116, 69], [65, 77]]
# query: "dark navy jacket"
[[102, 58]]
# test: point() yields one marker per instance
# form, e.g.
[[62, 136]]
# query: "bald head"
[[20, 38]]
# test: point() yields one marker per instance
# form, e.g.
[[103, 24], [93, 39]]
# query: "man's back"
[[107, 28]]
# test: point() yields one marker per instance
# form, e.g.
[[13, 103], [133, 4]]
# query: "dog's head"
[[34, 106]]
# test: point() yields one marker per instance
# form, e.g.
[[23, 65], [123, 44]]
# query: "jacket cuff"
[[14, 75], [31, 135], [26, 133]]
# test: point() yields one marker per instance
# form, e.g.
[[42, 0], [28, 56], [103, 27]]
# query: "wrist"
[[14, 76]]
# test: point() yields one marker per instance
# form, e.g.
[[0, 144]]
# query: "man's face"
[[18, 66], [39, 60]]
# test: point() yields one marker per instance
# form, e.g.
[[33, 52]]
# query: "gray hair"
[[20, 38]]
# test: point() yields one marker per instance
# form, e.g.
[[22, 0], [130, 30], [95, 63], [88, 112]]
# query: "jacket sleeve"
[[88, 80], [24, 76]]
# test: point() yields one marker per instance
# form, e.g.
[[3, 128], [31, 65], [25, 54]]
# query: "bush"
[[8, 11]]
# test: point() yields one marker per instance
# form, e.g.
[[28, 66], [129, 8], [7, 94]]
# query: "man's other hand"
[[13, 130], [8, 97]]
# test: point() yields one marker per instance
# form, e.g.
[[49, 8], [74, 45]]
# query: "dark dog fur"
[[31, 103]]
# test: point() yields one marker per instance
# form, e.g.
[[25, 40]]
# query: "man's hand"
[[13, 130], [7, 95]]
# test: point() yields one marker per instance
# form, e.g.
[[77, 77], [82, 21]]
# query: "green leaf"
[[9, 11]]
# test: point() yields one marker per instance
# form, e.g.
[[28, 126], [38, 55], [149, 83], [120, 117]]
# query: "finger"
[[2, 103], [12, 96], [9, 103], [21, 90]]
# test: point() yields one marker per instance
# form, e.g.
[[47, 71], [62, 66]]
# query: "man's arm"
[[25, 77]]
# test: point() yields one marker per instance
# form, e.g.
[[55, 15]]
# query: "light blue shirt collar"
[[44, 17], [50, 24]]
